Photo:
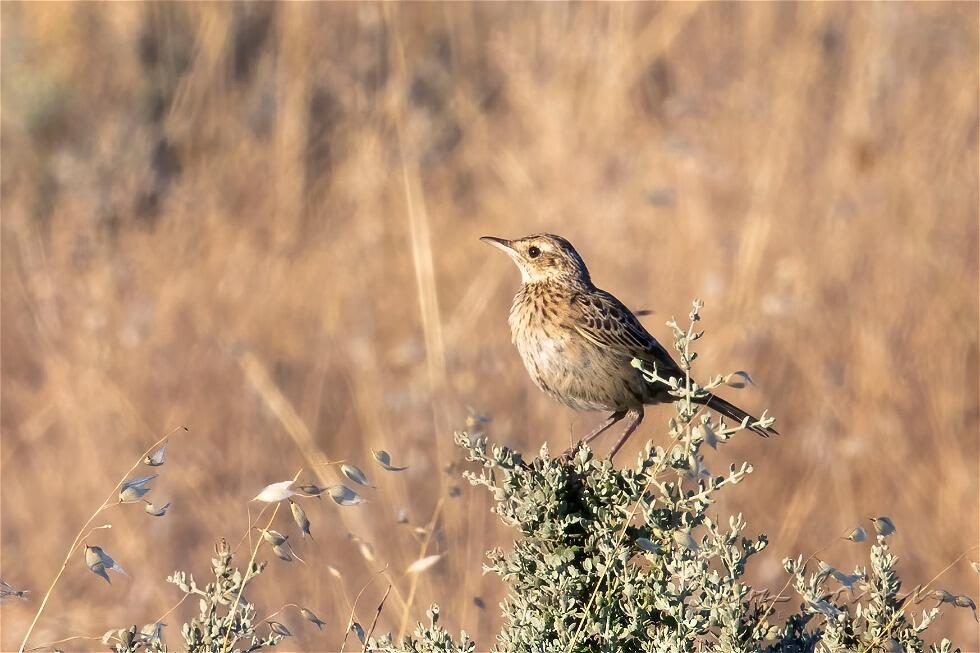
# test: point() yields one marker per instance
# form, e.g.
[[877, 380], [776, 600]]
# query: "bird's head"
[[544, 257]]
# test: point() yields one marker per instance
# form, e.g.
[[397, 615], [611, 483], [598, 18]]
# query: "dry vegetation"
[[261, 221]]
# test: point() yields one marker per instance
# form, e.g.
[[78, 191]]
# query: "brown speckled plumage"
[[577, 341]]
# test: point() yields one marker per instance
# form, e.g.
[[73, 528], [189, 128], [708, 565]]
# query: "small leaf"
[[422, 564], [275, 492]]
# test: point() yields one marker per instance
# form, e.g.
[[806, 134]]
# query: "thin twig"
[[287, 605], [176, 605], [79, 537], [353, 607], [248, 569], [248, 534], [367, 638], [62, 641], [415, 577]]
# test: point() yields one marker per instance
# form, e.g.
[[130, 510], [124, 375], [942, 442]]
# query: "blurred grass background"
[[261, 221]]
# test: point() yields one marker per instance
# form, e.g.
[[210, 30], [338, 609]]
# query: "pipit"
[[578, 342]]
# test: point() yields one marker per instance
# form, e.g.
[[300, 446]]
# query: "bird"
[[578, 341]]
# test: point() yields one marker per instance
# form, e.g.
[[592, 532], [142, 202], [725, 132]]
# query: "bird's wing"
[[607, 323]]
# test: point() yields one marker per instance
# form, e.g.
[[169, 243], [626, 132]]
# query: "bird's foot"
[[566, 457]]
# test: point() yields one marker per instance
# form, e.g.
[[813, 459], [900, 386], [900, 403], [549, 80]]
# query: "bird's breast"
[[562, 362]]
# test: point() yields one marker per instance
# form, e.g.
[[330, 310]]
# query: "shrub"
[[631, 559], [605, 558]]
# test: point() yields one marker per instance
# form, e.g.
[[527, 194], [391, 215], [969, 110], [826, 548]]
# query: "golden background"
[[260, 221]]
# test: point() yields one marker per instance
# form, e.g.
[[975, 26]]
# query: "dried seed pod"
[[355, 474], [156, 458], [8, 591], [152, 633], [943, 597], [99, 562], [315, 620], [344, 496], [422, 564], [884, 526], [274, 538], [134, 489], [964, 601], [357, 630], [279, 629], [299, 516], [154, 511], [312, 490], [857, 535], [275, 492], [283, 551], [648, 545], [384, 459]]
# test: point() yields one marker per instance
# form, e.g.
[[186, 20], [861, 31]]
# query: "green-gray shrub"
[[631, 559], [628, 559]]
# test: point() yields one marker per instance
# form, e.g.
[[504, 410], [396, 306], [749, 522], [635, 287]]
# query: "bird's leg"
[[636, 416], [599, 430]]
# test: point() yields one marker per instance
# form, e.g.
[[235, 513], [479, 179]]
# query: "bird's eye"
[[533, 251]]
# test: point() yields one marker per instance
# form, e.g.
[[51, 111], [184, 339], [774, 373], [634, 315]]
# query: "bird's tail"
[[732, 411]]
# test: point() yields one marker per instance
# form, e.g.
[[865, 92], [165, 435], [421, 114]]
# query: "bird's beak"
[[499, 243]]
